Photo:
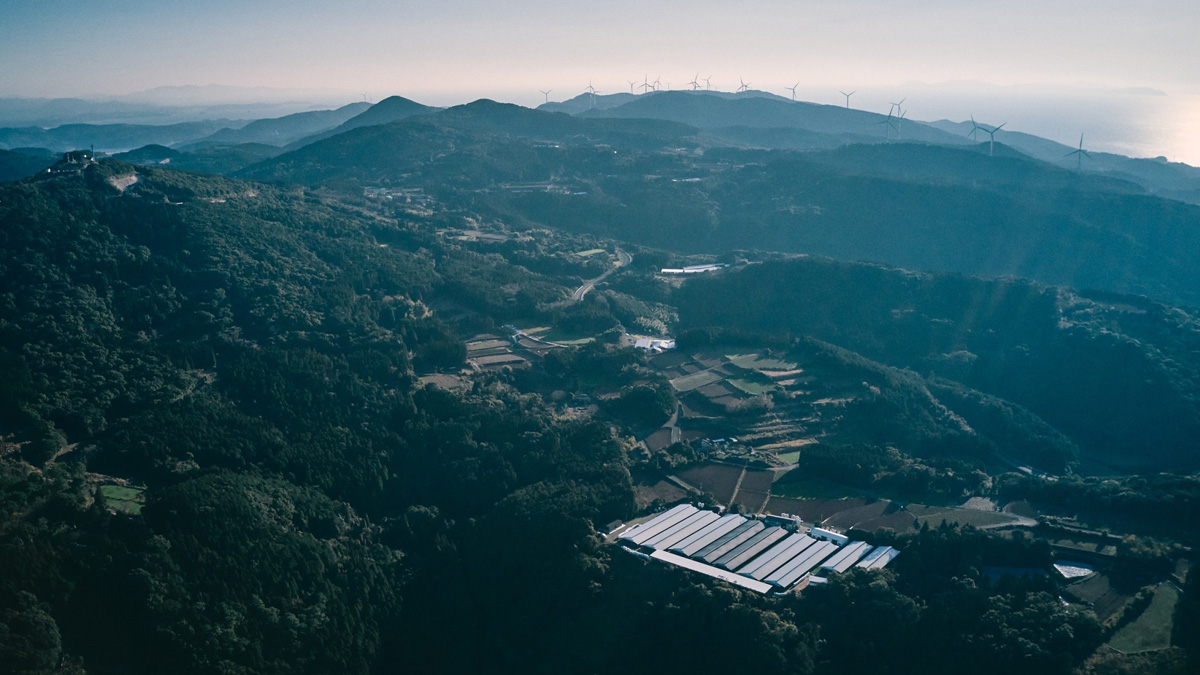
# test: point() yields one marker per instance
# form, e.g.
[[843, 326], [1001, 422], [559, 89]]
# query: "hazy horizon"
[[452, 53]]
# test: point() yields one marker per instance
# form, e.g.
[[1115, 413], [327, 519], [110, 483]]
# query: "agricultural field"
[[755, 393], [124, 499], [695, 380], [1097, 592], [589, 253], [1088, 545], [649, 489], [716, 479], [1151, 630], [872, 516], [934, 515], [751, 501], [759, 362]]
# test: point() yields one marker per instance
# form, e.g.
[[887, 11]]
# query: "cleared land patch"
[[934, 515], [757, 361], [1151, 630], [717, 479], [690, 382], [124, 499], [1097, 593], [750, 386]]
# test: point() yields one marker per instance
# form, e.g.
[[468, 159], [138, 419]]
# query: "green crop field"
[[124, 499], [935, 514], [750, 386], [757, 361], [695, 380], [563, 337], [1151, 630]]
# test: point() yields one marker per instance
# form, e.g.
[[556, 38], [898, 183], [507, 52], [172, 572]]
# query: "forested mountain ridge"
[[245, 352], [249, 355], [668, 185]]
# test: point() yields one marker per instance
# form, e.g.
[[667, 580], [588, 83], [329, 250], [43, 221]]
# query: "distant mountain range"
[[961, 207], [287, 129], [704, 172]]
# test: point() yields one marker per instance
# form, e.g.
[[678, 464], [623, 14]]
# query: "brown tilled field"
[[751, 501], [644, 495], [854, 517], [1096, 592], [758, 481], [813, 510], [717, 479]]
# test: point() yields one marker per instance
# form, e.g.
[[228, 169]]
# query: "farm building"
[[829, 535], [878, 558], [747, 552], [845, 558]]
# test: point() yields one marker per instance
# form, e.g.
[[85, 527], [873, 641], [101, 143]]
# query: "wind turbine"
[[1079, 154], [793, 90], [745, 85], [975, 128], [900, 121], [896, 106], [888, 127], [708, 83], [657, 83], [992, 137], [645, 85], [848, 96], [631, 83], [546, 94], [695, 84]]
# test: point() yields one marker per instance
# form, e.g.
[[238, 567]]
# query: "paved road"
[[623, 259]]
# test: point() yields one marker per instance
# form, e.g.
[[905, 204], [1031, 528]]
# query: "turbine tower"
[[793, 90], [695, 82], [745, 85], [888, 126], [992, 137], [645, 85], [708, 83], [546, 94], [848, 96], [631, 83], [1079, 155], [896, 106]]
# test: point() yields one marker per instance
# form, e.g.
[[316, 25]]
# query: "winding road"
[[623, 259]]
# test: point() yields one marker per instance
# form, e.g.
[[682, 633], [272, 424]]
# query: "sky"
[[450, 52]]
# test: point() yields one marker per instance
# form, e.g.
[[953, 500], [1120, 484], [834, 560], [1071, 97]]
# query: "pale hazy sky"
[[457, 50], [450, 52]]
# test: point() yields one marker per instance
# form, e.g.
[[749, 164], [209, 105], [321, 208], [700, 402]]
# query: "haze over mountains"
[[749, 170]]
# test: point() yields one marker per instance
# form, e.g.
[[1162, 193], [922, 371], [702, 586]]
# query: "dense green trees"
[[1033, 369], [250, 355]]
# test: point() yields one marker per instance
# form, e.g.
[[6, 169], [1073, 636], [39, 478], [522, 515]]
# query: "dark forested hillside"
[[228, 444], [663, 184], [246, 354], [1116, 374]]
